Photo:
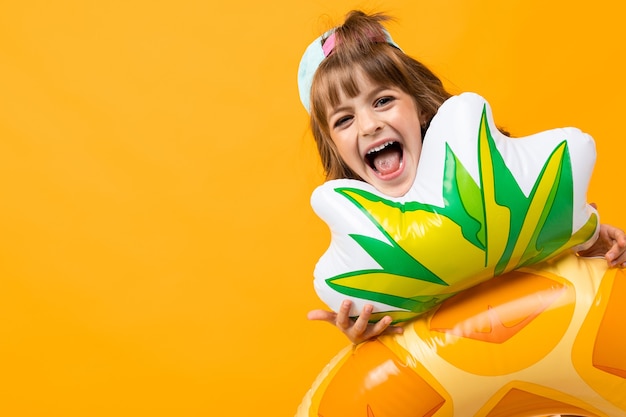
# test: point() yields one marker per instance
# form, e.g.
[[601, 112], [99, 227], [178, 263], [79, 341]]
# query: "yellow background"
[[156, 240]]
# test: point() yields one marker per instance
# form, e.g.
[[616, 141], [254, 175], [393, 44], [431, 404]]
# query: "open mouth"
[[386, 158]]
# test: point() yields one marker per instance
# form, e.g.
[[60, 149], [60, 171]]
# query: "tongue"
[[387, 161]]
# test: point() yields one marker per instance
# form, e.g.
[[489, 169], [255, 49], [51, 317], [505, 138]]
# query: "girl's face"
[[378, 135]]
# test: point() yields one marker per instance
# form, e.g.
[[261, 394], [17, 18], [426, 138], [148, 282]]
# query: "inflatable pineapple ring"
[[533, 330], [482, 204]]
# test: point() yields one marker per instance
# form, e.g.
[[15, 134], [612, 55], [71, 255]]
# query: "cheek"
[[343, 145], [349, 155]]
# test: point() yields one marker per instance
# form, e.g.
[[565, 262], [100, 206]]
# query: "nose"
[[369, 122]]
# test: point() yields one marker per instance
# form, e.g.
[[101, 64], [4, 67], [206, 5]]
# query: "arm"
[[357, 330]]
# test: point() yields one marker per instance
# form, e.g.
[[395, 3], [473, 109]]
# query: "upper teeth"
[[379, 148]]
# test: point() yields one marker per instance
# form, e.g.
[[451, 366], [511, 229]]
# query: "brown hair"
[[358, 47]]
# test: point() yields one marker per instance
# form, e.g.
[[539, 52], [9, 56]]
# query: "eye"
[[342, 121], [383, 101]]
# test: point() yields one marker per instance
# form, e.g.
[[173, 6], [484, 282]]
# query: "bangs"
[[336, 76], [337, 80]]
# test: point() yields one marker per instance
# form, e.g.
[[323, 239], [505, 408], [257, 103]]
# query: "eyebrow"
[[336, 110], [375, 92]]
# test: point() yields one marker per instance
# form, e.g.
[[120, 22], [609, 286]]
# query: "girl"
[[370, 105]]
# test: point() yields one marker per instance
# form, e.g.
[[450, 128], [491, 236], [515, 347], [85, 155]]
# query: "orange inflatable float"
[[541, 340]]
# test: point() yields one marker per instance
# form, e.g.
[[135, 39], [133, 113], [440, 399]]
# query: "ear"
[[422, 116], [482, 204]]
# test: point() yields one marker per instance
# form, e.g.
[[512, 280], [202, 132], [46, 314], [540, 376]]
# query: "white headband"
[[311, 60]]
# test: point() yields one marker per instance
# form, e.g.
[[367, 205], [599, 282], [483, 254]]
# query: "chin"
[[394, 191]]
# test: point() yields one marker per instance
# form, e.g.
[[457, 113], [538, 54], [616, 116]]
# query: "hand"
[[611, 244], [357, 330]]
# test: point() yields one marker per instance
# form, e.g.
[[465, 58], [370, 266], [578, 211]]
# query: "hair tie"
[[329, 44]]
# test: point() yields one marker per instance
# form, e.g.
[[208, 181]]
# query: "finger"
[[610, 256], [367, 311], [394, 330], [389, 328], [342, 319], [361, 324], [617, 261], [616, 254], [615, 235], [322, 315], [381, 326]]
